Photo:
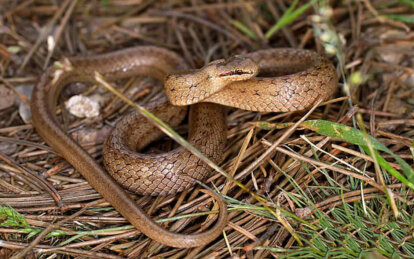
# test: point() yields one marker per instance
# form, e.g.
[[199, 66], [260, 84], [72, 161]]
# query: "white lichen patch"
[[83, 106]]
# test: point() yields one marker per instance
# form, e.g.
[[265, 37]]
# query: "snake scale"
[[289, 80]]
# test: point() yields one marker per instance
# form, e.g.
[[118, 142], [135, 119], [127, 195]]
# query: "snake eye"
[[236, 72], [241, 72]]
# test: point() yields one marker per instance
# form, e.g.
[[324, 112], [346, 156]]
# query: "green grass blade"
[[243, 28], [355, 136], [288, 17], [412, 149], [401, 18], [11, 218], [408, 2]]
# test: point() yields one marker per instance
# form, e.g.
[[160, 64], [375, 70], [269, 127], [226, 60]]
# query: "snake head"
[[192, 86], [232, 69]]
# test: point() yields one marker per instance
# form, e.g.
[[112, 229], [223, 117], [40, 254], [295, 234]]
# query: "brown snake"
[[304, 77]]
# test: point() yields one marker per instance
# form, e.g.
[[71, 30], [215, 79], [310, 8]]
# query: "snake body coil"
[[305, 77]]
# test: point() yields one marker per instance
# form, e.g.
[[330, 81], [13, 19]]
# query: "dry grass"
[[338, 203]]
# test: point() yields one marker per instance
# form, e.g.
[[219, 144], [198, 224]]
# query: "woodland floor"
[[328, 197]]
